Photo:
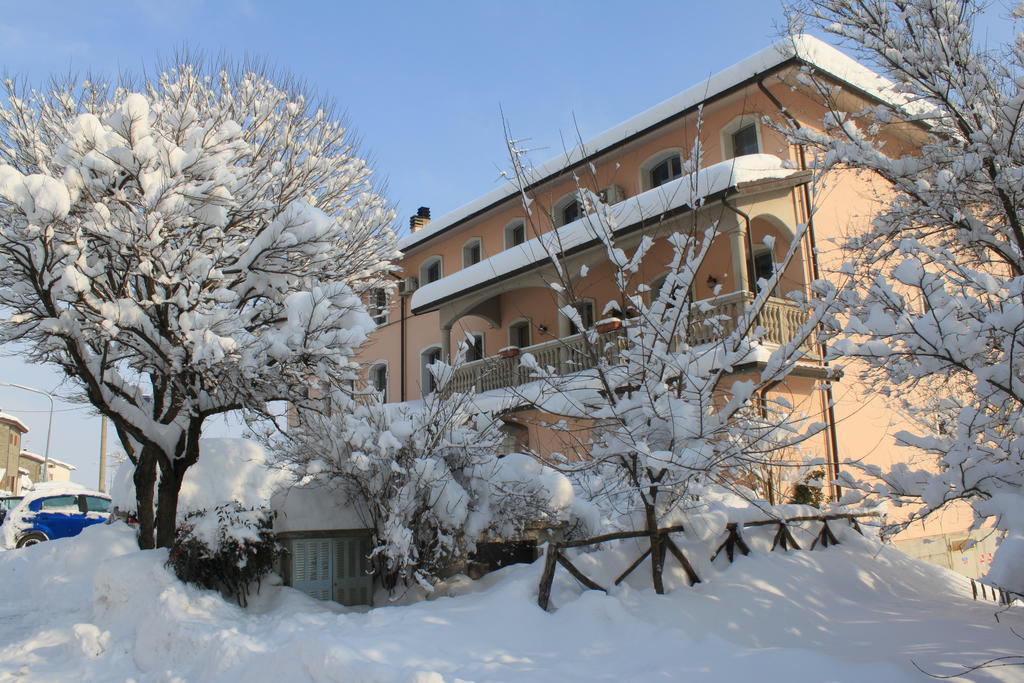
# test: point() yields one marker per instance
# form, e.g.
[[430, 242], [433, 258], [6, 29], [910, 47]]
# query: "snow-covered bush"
[[936, 305], [429, 481], [229, 548], [182, 247]]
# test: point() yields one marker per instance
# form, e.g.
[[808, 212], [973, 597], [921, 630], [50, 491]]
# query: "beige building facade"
[[480, 273]]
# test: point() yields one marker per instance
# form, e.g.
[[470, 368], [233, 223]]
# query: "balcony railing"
[[779, 319]]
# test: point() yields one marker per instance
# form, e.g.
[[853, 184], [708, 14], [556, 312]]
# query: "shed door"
[[311, 567], [352, 584]]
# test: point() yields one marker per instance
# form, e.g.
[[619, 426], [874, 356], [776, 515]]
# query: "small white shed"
[[327, 545]]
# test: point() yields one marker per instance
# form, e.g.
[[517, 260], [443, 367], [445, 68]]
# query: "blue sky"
[[422, 84]]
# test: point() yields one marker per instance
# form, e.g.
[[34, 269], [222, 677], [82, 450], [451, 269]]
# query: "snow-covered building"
[[11, 432], [18, 465], [481, 272], [58, 470]]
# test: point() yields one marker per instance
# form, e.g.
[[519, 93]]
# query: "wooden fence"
[[733, 542], [992, 593]]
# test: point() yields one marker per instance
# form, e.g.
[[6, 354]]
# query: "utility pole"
[[103, 456]]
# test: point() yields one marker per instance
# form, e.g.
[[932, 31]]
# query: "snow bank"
[[855, 612]]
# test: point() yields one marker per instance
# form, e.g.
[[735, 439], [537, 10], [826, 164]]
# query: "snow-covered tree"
[[427, 479], [183, 247], [669, 418], [936, 307]]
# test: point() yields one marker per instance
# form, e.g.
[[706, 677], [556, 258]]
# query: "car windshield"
[[9, 503]]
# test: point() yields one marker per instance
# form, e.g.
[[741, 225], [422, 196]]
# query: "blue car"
[[46, 515]]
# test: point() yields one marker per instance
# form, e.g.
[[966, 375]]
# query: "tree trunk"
[[657, 548], [167, 504], [172, 473], [145, 481]]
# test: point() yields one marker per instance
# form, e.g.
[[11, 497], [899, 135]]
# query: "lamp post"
[[49, 425]]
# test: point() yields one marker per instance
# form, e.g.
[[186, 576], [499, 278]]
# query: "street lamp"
[[49, 425]]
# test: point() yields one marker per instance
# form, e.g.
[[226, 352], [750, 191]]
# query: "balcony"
[[780, 320]]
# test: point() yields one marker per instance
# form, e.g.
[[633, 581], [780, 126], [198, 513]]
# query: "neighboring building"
[[21, 467], [479, 270], [32, 464], [11, 432]]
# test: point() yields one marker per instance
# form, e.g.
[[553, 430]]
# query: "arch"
[[645, 181], [784, 228]]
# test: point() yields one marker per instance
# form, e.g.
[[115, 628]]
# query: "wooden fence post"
[[546, 579]]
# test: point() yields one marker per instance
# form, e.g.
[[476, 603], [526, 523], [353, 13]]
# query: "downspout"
[[401, 343], [401, 347], [762, 403], [816, 274]]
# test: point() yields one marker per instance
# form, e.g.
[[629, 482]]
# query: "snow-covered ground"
[[94, 608]]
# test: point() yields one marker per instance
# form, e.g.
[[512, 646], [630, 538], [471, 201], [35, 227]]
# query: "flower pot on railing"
[[508, 352], [608, 325]]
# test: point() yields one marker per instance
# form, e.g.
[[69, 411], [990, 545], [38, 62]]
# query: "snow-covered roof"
[[806, 48], [53, 461], [10, 419], [681, 192]]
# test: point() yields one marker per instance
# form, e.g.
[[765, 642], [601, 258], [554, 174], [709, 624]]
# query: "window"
[[570, 212], [519, 334], [668, 169], [474, 347], [378, 305], [586, 311], [764, 264], [428, 358], [656, 286], [96, 504], [515, 438], [60, 504], [744, 141], [567, 210], [430, 271], [329, 568], [515, 234], [471, 253], [378, 376]]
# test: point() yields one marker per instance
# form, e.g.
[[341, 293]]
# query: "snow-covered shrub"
[[429, 481], [228, 548]]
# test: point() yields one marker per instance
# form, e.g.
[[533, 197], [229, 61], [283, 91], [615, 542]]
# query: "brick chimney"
[[421, 218]]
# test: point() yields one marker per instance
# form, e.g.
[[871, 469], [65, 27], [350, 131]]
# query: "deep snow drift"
[[94, 608]]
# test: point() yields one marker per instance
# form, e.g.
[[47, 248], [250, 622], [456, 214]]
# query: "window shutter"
[[352, 584], [311, 567]]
